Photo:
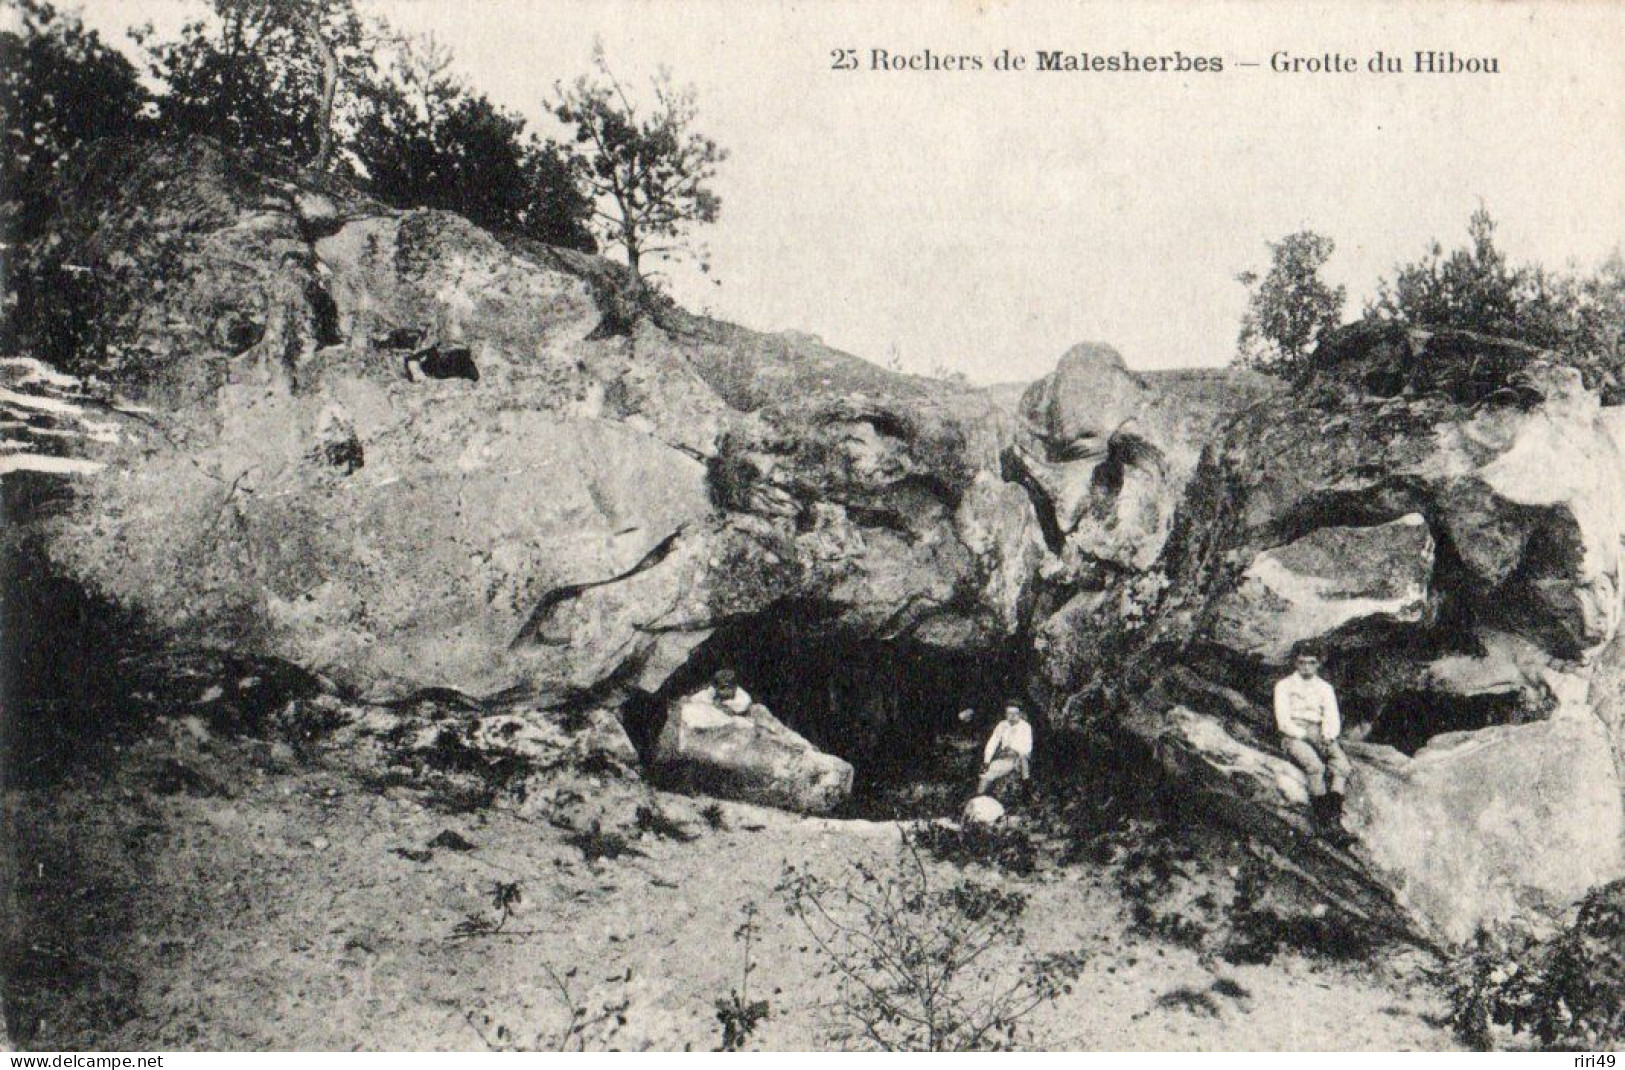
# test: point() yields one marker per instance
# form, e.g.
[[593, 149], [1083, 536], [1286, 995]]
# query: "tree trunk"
[[330, 85]]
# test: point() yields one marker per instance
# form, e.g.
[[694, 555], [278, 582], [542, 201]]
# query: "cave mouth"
[[1410, 720], [892, 709]]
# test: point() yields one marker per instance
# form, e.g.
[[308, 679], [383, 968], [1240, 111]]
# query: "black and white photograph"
[[767, 526]]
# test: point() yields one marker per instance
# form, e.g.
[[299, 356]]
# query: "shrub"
[[1567, 992], [653, 821], [919, 966], [594, 844], [995, 846]]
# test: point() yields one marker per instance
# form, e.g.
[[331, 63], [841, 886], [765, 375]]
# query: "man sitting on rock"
[[724, 693], [1306, 714], [1009, 749]]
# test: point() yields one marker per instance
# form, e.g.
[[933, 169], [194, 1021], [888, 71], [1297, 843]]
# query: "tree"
[[1471, 289], [267, 76], [1474, 288], [647, 172], [1291, 307], [423, 140], [60, 87]]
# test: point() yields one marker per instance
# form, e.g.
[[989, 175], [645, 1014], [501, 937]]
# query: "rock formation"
[[750, 756], [1447, 512], [1107, 453], [404, 453], [404, 456]]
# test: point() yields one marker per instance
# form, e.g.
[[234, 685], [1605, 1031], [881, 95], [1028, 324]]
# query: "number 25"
[[843, 59]]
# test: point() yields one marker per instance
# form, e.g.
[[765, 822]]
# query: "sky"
[[985, 221]]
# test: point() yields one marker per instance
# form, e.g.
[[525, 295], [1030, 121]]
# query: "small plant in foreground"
[[920, 966], [584, 1023], [505, 898], [714, 818], [738, 1014], [653, 821], [595, 843]]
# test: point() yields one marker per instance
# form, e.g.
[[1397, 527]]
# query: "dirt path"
[[284, 915]]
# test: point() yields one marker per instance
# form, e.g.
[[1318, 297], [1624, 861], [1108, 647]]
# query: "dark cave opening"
[[892, 709], [1410, 720]]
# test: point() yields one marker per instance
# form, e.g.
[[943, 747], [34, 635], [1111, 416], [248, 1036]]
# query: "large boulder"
[[1106, 452], [404, 453], [1507, 821], [752, 757], [1448, 511], [1333, 577]]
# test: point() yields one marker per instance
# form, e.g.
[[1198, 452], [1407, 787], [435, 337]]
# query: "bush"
[[1567, 992], [994, 846], [653, 821], [922, 967]]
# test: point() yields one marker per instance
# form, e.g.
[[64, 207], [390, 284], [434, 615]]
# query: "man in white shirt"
[[1307, 716], [1009, 749]]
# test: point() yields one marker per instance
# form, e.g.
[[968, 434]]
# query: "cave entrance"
[[891, 709], [1411, 719]]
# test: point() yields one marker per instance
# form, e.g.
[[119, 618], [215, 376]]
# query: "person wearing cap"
[[1009, 749], [724, 693], [1310, 723]]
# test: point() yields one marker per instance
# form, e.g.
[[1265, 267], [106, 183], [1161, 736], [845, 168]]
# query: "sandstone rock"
[[1107, 452], [1079, 445], [1510, 821], [1449, 509], [983, 810], [1325, 581], [402, 452], [751, 757], [1508, 666]]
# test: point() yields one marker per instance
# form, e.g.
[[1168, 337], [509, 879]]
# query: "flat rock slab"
[[752, 757], [1325, 581]]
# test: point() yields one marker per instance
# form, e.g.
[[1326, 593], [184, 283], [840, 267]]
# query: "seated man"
[[1009, 749], [724, 693], [1307, 716]]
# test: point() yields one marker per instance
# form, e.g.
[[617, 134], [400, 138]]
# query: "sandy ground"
[[281, 916]]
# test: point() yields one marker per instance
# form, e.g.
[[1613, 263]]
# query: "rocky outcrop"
[[1456, 539], [1332, 578], [1106, 453], [403, 453], [751, 757]]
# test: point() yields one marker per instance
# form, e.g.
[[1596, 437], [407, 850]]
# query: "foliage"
[[731, 473], [1290, 307], [738, 1014], [60, 87], [1567, 992], [424, 140], [1002, 847], [1475, 288], [594, 844], [584, 1025], [270, 78], [714, 818], [920, 966], [505, 899], [651, 820], [649, 171]]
